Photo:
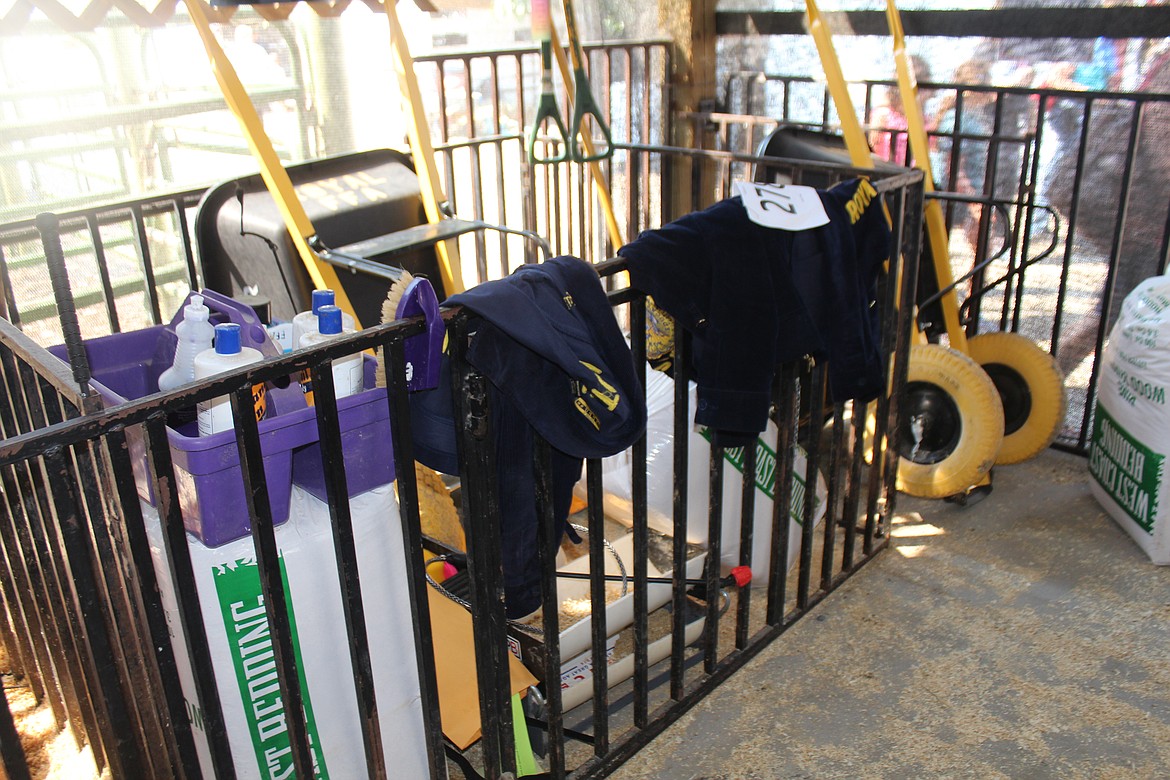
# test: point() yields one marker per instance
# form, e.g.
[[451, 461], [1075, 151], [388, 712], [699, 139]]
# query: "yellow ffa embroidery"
[[860, 200], [568, 299], [607, 394], [584, 409]]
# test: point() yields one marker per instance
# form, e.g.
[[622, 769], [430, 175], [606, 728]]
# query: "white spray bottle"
[[195, 333]]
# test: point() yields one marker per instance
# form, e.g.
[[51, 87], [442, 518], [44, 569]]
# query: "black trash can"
[[245, 249]]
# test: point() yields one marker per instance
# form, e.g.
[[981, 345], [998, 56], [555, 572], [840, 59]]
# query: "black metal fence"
[[1072, 209], [106, 614]]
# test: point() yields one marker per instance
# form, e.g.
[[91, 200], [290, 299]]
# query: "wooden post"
[[691, 25]]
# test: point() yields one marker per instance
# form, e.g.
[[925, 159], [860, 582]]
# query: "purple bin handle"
[[252, 331], [424, 350]]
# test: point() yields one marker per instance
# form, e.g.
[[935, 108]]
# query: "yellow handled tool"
[[546, 109], [600, 182], [859, 154], [584, 106], [936, 227], [422, 151], [275, 176], [948, 457]]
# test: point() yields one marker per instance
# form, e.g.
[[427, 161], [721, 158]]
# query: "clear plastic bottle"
[[306, 321], [216, 415], [195, 334], [347, 371]]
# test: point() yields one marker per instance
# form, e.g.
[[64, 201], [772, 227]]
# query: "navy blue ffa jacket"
[[558, 364], [755, 297]]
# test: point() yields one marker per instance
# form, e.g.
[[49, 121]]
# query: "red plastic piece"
[[742, 575]]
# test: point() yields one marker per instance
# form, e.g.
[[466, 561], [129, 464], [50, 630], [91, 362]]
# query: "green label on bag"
[[238, 586], [1126, 469], [766, 473]]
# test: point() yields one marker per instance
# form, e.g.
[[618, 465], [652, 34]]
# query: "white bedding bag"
[[1131, 425]]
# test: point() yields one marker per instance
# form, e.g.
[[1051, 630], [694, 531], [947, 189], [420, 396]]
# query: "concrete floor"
[[1025, 636]]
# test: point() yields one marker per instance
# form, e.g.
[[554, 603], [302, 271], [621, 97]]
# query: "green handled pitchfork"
[[546, 109], [584, 106]]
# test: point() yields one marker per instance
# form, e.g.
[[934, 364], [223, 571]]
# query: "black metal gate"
[[88, 627]]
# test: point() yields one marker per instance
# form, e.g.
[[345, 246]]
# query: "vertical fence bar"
[[816, 405], [7, 298], [48, 227], [143, 241], [182, 572], [424, 647], [747, 514], [836, 468], [441, 86], [597, 561], [1070, 227], [345, 556], [682, 426], [852, 501], [783, 391], [714, 551], [268, 563], [99, 251], [899, 286], [1114, 257], [641, 529], [477, 465], [188, 254], [547, 541]]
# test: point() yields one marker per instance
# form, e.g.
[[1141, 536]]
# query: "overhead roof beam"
[[1116, 22]]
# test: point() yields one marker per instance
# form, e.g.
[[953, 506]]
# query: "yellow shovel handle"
[[600, 182], [855, 141], [275, 176], [936, 228], [421, 149]]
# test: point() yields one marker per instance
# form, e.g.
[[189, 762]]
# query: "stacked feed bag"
[[1131, 426]]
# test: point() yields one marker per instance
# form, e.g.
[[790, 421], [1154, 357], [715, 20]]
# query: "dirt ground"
[[51, 751], [1024, 636]]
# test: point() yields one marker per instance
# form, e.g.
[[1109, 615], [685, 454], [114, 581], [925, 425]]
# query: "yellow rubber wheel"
[[1031, 388], [952, 424]]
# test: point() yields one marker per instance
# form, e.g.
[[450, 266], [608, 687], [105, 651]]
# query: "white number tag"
[[782, 206]]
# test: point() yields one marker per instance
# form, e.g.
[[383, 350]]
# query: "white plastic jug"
[[216, 415]]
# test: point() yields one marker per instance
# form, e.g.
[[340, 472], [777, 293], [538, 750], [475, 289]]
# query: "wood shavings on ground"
[[51, 752]]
